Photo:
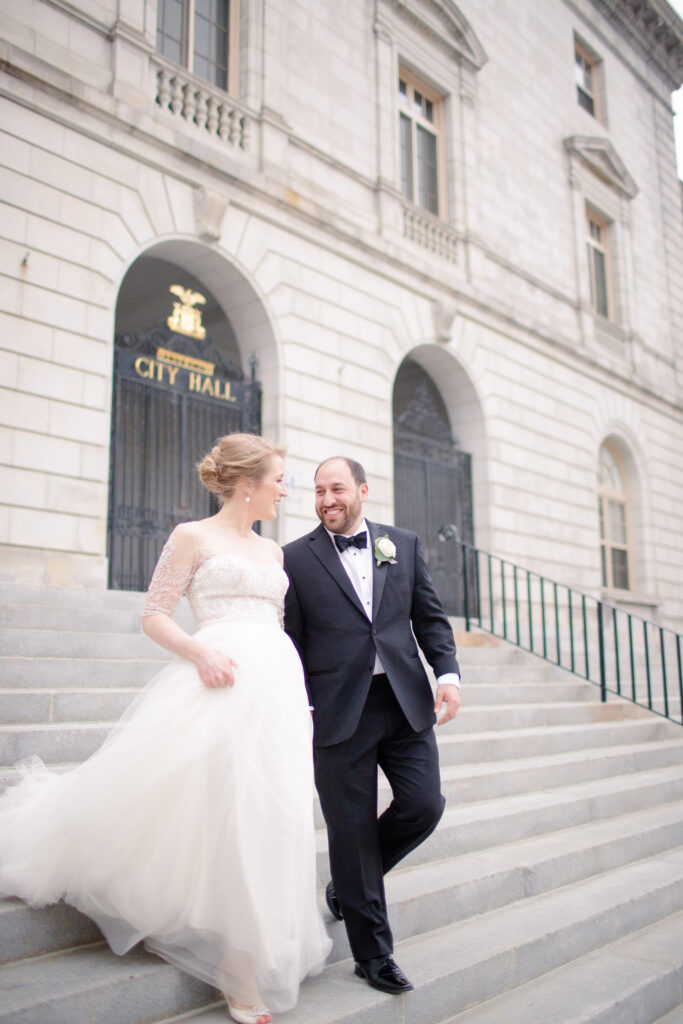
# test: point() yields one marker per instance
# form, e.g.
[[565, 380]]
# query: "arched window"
[[614, 521]]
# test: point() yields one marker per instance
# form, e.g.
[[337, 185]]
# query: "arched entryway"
[[432, 478], [179, 383]]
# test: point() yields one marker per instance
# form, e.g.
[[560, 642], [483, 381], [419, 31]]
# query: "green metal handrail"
[[573, 630]]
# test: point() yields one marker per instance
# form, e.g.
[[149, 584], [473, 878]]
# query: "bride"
[[192, 826]]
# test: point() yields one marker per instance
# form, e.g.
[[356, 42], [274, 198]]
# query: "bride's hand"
[[215, 668]]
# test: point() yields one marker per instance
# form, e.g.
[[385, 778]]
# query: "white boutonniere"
[[385, 550]]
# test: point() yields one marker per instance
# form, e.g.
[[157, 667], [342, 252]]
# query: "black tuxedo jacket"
[[337, 641]]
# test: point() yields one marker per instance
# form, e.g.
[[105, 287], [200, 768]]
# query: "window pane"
[[617, 522], [429, 110], [211, 41], [402, 91], [601, 515], [201, 36], [585, 101], [170, 21], [600, 274], [406, 157], [417, 102], [603, 562], [619, 569], [426, 170], [583, 72], [609, 475]]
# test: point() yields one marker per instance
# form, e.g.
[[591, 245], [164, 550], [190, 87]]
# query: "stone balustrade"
[[198, 103], [430, 233]]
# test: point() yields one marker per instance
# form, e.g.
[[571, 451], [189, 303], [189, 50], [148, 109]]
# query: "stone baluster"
[[177, 95], [202, 103], [212, 116], [163, 89], [224, 123], [189, 104]]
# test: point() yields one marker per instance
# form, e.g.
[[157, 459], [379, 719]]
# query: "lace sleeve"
[[171, 577]]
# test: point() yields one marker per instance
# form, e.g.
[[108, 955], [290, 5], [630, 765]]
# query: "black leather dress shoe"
[[383, 972], [333, 902]]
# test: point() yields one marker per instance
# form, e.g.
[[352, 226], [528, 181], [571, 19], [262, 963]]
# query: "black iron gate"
[[169, 406], [432, 480]]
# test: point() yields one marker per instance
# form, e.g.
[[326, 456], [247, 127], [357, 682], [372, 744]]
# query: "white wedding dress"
[[192, 826]]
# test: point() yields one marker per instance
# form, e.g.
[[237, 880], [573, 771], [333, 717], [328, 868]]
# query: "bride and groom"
[[192, 827]]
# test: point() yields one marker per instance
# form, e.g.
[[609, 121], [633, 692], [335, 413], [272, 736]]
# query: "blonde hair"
[[236, 457]]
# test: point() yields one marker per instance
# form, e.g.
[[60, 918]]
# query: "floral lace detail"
[[226, 586], [219, 585], [169, 582]]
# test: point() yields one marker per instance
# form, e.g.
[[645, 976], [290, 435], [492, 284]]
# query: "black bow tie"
[[359, 541]]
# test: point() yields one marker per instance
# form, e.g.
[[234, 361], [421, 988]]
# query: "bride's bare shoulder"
[[271, 548]]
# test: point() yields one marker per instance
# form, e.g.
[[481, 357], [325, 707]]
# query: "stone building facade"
[[444, 238]]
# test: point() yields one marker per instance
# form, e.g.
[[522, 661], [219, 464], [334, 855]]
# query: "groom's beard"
[[348, 518]]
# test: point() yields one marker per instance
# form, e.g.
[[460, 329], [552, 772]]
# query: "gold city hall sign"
[[176, 369]]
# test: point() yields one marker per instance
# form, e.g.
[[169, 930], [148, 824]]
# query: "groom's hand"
[[449, 695]]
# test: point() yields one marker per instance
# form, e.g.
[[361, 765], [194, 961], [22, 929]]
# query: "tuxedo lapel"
[[379, 572], [324, 550]]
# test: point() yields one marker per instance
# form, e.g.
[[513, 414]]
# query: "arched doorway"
[[178, 385], [432, 479]]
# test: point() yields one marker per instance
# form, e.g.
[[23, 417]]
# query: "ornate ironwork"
[[173, 396], [432, 479]]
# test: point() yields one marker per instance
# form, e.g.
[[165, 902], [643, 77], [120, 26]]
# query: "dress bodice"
[[226, 586], [218, 585]]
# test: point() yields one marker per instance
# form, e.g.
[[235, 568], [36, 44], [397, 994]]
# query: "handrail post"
[[601, 647], [664, 683], [680, 672], [466, 588]]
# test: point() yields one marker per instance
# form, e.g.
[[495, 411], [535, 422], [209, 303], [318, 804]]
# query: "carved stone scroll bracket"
[[209, 211], [444, 315]]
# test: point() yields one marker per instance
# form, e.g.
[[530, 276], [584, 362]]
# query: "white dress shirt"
[[357, 564]]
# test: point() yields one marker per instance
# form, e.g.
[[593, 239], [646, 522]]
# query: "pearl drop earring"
[[247, 498]]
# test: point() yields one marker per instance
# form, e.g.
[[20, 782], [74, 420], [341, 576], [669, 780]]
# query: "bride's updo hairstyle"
[[236, 457]]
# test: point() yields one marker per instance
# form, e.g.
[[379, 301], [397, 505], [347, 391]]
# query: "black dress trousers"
[[362, 847]]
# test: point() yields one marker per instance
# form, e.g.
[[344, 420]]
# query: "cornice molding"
[[442, 22], [654, 28], [602, 158]]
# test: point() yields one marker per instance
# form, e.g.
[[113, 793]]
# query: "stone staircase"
[[552, 890]]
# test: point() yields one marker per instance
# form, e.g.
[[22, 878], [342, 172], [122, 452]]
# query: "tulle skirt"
[[192, 826]]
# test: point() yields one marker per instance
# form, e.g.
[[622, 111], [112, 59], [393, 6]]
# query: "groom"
[[359, 598]]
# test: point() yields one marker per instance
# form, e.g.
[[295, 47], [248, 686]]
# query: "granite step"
[[635, 979], [426, 893], [471, 962]]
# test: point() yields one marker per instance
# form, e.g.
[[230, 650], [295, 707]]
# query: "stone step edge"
[[513, 870], [504, 1010], [522, 942], [531, 1000], [472, 768]]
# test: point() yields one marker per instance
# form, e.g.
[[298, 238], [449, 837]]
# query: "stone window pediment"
[[600, 156], [443, 23]]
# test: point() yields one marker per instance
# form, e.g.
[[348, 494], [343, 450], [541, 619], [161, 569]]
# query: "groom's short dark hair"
[[357, 471]]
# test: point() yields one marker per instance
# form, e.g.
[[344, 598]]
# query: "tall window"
[[196, 34], [419, 112], [613, 512], [586, 77], [597, 239]]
